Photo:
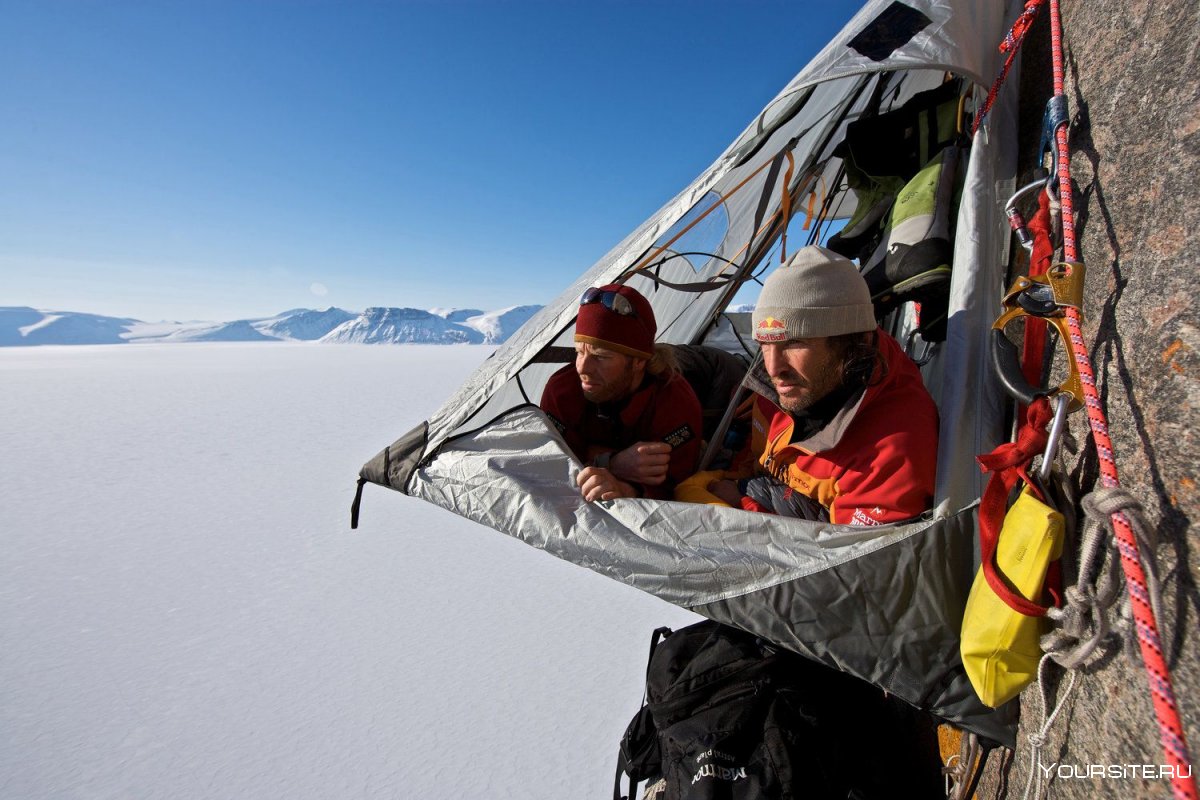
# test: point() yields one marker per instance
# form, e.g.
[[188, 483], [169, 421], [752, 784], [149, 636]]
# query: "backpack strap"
[[656, 637], [617, 780], [623, 765]]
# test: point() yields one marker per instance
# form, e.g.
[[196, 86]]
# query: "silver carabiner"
[[1054, 439], [927, 349], [1015, 220]]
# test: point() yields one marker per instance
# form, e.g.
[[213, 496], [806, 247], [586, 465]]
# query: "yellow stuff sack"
[[1000, 647]]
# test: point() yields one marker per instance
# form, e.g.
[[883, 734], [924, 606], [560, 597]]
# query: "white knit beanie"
[[817, 293]]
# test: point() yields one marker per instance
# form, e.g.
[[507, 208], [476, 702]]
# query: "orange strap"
[[659, 250], [786, 206]]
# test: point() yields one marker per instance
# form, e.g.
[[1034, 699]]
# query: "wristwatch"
[[602, 460]]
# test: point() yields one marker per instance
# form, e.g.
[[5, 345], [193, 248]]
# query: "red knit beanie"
[[601, 322]]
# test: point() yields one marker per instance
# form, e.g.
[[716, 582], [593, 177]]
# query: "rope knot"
[[1103, 503]]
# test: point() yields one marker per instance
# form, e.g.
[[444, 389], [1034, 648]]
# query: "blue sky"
[[221, 160]]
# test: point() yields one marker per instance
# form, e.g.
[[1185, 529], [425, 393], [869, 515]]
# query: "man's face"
[[802, 370], [605, 375]]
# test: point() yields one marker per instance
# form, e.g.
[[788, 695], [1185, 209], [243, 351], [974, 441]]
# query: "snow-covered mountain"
[[21, 325], [239, 331], [456, 314], [303, 324], [436, 326], [394, 325], [497, 326]]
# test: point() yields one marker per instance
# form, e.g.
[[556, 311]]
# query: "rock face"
[[1135, 156]]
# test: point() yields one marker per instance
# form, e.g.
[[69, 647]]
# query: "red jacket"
[[662, 409], [875, 462]]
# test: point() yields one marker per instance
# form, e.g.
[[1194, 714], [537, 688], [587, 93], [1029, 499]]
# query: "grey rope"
[[1037, 739], [960, 767], [1081, 625]]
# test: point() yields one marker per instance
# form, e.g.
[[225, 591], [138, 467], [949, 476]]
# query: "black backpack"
[[720, 720], [730, 717]]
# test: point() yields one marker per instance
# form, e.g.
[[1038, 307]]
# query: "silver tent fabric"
[[884, 604]]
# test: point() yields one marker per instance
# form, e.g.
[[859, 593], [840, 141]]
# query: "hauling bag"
[[1002, 623], [733, 717]]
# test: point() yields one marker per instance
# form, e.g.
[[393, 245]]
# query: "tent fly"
[[883, 603]]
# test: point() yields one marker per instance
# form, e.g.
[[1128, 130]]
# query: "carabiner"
[[1054, 438], [1015, 220], [927, 349], [1046, 297], [1055, 116]]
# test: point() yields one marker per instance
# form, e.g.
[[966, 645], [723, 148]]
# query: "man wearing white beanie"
[[843, 427]]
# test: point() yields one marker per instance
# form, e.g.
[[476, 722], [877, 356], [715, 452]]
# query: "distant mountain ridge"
[[25, 326], [304, 324], [384, 325], [22, 325]]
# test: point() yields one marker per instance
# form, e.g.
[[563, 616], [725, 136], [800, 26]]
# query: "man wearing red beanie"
[[623, 408]]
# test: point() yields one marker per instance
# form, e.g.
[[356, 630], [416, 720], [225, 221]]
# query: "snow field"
[[186, 614]]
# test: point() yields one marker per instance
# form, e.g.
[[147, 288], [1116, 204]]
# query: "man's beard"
[[617, 389], [816, 390]]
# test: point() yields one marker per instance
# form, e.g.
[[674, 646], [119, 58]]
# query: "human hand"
[[597, 483], [727, 490], [645, 463]]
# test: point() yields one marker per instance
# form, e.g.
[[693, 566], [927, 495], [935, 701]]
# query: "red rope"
[[1166, 710], [1010, 45]]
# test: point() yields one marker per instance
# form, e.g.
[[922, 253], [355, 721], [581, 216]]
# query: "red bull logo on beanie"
[[771, 329]]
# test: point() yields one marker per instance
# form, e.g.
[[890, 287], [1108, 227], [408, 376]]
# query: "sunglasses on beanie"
[[612, 300]]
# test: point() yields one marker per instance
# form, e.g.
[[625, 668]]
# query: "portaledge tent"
[[883, 603]]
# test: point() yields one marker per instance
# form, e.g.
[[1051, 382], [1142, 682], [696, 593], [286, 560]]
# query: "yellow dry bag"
[[1003, 620]]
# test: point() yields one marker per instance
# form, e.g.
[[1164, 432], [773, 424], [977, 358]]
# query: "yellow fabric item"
[[695, 488], [1000, 647]]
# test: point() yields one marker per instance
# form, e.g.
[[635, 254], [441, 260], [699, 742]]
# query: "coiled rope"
[[1081, 624]]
